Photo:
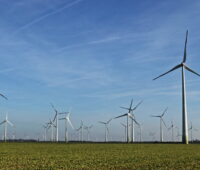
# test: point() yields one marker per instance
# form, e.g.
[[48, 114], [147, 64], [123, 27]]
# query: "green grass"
[[98, 156]]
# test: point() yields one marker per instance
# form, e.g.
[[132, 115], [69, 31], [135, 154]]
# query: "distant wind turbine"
[[5, 122], [183, 66], [106, 129], [67, 120], [130, 112], [56, 119], [87, 128], [191, 131], [51, 125], [80, 130], [172, 128], [125, 128], [127, 115], [161, 122], [45, 131]]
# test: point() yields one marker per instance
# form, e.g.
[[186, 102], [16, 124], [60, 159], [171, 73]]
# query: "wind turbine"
[[106, 128], [67, 120], [161, 121], [172, 128], [130, 111], [45, 131], [191, 129], [183, 66], [56, 119], [51, 125], [87, 128], [125, 128], [5, 122], [140, 127], [81, 131], [128, 115]]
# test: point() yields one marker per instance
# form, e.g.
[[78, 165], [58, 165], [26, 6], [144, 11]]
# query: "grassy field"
[[98, 156]]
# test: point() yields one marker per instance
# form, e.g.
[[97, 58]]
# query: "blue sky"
[[94, 56]]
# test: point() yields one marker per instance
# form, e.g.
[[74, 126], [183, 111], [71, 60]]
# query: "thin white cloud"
[[36, 20]]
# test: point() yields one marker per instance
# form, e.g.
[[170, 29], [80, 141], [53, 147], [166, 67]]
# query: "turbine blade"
[[137, 105], [3, 96], [55, 117], [11, 124], [135, 121], [2, 122], [63, 113], [102, 122], [53, 107], [154, 116], [125, 108], [62, 119], [192, 71], [174, 68], [131, 104], [121, 116], [70, 123], [123, 124], [185, 48], [164, 122], [164, 112], [109, 120]]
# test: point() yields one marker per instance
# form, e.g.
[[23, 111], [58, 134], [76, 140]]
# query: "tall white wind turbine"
[[106, 129], [5, 122], [183, 66], [130, 111], [161, 122], [127, 115], [67, 120]]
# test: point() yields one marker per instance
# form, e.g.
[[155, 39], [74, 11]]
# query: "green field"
[[98, 156]]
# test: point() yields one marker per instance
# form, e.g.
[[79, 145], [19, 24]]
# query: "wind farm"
[[88, 84]]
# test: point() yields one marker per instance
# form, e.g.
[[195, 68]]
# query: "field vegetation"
[[98, 156]]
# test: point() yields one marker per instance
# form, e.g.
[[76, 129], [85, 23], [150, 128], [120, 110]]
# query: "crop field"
[[98, 156]]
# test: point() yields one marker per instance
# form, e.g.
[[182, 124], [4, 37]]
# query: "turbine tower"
[[106, 129], [172, 128], [183, 66], [130, 111], [67, 120], [5, 122], [161, 121]]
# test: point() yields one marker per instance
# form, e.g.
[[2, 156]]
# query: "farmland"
[[98, 156]]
